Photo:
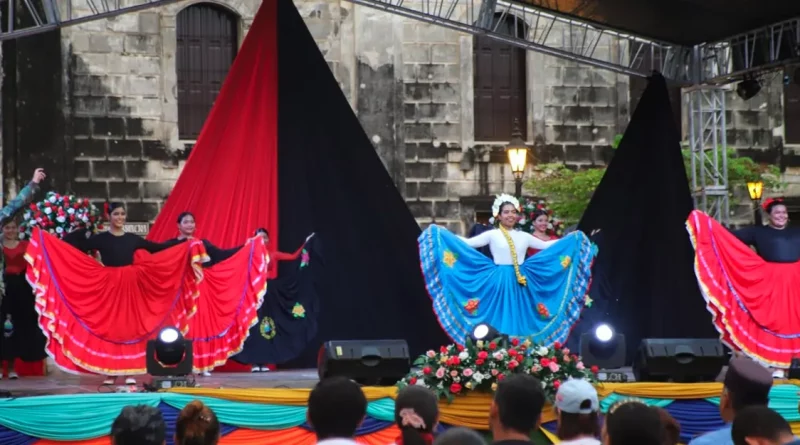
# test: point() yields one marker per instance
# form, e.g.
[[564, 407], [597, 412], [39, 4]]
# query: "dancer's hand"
[[310, 236], [38, 176], [595, 231]]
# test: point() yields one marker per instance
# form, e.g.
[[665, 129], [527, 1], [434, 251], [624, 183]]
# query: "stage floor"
[[61, 383]]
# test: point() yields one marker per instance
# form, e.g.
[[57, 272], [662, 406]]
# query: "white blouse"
[[500, 249]]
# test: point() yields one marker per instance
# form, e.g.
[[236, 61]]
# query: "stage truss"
[[715, 63], [707, 143]]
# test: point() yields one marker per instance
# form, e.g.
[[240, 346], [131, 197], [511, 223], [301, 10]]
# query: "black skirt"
[[287, 320], [26, 341]]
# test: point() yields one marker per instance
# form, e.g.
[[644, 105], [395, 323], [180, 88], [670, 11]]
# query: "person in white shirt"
[[336, 408], [577, 409]]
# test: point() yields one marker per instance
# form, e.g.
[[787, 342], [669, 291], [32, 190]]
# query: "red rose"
[[556, 384], [555, 359], [456, 361], [85, 202], [426, 370], [479, 361], [33, 206], [492, 346], [99, 227], [483, 355], [545, 362], [412, 381], [512, 352], [556, 346], [595, 369], [455, 388], [513, 364], [443, 349], [460, 348], [573, 357], [522, 347], [515, 342], [500, 377]]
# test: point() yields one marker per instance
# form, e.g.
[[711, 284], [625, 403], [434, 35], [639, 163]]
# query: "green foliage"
[[568, 192]]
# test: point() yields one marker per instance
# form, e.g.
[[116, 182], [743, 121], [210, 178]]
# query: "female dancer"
[[14, 302], [222, 323], [540, 298], [23, 339], [541, 222], [752, 296], [288, 317], [99, 316]]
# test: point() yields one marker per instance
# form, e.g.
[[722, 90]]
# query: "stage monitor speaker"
[[368, 362], [679, 360]]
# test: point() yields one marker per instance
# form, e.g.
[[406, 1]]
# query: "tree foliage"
[[568, 191]]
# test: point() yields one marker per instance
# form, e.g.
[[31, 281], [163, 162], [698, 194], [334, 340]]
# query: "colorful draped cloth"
[[754, 303], [99, 319], [468, 288]]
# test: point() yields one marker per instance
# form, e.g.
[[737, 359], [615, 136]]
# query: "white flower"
[[549, 225], [59, 230], [498, 356], [420, 382], [544, 385], [491, 220], [52, 199], [71, 211], [464, 355], [542, 350], [456, 379], [500, 199], [522, 220], [478, 377], [22, 235], [431, 354], [27, 216], [48, 210], [61, 219]]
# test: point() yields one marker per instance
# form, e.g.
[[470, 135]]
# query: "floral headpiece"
[[622, 402], [500, 199], [771, 202]]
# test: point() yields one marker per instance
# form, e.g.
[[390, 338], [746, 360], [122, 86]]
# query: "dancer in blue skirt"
[[538, 299]]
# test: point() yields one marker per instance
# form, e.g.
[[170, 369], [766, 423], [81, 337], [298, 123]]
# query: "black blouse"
[[773, 245], [115, 251]]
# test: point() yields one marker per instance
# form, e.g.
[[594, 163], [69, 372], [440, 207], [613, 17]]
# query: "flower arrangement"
[[479, 366], [60, 214], [554, 228]]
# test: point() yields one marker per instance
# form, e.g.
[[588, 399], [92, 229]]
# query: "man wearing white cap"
[[577, 409]]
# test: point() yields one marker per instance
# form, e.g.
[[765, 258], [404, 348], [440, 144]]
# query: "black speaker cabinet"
[[368, 362], [679, 360]]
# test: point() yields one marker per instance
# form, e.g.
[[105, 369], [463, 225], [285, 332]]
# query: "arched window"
[[500, 84], [207, 42]]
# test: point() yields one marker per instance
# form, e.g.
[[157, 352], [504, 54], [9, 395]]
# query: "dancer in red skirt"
[[753, 296], [99, 317]]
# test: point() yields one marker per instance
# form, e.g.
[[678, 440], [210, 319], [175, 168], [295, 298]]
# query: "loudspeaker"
[[679, 360], [368, 362]]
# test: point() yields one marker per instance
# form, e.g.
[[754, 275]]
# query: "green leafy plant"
[[568, 191]]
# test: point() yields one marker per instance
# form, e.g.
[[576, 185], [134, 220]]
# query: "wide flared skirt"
[[288, 319], [468, 289], [755, 304], [231, 294], [98, 319]]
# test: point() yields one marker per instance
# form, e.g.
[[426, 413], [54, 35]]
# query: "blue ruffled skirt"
[[467, 288]]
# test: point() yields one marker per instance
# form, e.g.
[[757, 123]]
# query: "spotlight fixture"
[[485, 331], [169, 360], [748, 88], [603, 347]]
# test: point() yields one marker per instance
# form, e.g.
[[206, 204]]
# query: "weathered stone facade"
[[411, 85]]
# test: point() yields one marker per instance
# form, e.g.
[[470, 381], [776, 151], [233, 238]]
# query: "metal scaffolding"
[[29, 17], [708, 145]]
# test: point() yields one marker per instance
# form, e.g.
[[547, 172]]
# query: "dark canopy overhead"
[[685, 22]]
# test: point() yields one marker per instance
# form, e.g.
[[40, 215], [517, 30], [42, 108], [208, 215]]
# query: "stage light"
[[169, 360], [748, 88], [484, 331], [603, 347], [604, 332]]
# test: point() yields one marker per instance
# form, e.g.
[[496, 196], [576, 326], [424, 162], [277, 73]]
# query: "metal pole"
[[518, 185]]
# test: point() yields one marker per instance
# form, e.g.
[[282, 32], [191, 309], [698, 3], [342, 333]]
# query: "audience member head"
[[139, 425], [336, 407], [459, 436], [632, 423], [671, 427], [416, 412], [517, 407], [746, 383], [759, 425], [197, 425], [577, 409]]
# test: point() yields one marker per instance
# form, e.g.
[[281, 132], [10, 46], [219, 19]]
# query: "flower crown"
[[622, 402], [500, 199]]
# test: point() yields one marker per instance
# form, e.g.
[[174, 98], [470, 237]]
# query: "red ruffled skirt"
[[230, 295], [755, 304], [99, 319]]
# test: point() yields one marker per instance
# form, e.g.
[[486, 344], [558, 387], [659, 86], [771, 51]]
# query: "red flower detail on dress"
[[542, 310], [471, 306]]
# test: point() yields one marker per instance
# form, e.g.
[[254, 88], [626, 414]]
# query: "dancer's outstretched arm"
[[536, 243], [479, 241], [24, 197]]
